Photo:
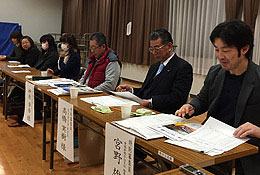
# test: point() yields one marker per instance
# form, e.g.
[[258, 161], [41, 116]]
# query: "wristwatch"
[[150, 104]]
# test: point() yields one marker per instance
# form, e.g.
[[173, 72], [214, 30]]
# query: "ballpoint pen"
[[190, 109]]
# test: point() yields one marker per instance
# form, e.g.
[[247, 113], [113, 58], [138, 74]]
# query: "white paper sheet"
[[213, 138], [21, 71], [29, 104], [108, 101], [141, 126], [14, 62], [18, 66], [129, 96], [176, 134], [216, 134], [58, 91]]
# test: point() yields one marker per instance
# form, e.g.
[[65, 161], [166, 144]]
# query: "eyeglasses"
[[156, 48], [93, 48]]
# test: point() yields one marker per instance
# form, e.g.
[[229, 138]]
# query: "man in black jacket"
[[168, 82], [231, 91]]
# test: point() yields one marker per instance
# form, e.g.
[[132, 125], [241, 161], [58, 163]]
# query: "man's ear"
[[244, 50], [103, 46], [170, 45]]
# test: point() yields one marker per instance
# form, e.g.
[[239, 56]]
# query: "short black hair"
[[69, 38], [16, 35], [234, 33], [99, 38], [163, 34], [29, 39], [49, 38]]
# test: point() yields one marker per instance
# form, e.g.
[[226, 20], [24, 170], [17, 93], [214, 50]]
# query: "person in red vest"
[[103, 71]]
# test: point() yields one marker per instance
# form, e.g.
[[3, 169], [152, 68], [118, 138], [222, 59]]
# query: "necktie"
[[160, 69]]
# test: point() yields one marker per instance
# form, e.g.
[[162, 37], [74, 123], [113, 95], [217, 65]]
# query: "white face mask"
[[44, 46], [64, 47]]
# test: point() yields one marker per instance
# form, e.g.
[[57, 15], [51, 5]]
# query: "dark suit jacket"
[[248, 105], [47, 60], [169, 90], [30, 56], [71, 69]]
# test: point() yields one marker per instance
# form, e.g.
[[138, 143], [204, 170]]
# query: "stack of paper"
[[21, 71], [14, 62], [147, 126], [213, 138], [18, 66], [55, 82], [65, 90], [108, 101]]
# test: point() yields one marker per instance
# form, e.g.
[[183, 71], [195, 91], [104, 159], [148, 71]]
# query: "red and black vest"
[[98, 70]]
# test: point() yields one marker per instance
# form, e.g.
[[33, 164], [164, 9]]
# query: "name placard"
[[65, 136], [119, 151]]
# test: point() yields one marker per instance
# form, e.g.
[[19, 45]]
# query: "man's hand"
[[145, 103], [247, 129], [50, 71], [185, 109], [124, 88], [62, 53]]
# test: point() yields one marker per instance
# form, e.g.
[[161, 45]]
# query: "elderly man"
[[231, 91], [103, 69], [168, 82]]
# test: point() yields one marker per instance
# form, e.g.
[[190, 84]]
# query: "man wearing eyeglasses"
[[104, 68], [168, 82]]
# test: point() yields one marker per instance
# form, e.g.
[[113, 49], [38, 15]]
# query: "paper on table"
[[21, 71], [178, 129], [216, 134], [192, 146], [57, 91], [14, 62], [140, 126], [108, 101], [18, 66], [129, 95]]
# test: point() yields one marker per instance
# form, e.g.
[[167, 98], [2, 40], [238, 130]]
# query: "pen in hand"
[[179, 112]]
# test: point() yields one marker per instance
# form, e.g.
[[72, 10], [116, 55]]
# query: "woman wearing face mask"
[[49, 55], [30, 52], [17, 52], [69, 60]]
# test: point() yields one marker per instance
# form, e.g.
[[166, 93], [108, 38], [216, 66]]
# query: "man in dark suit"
[[231, 91], [168, 82]]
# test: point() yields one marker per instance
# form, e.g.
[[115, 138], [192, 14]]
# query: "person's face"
[[26, 44], [228, 55], [160, 52], [95, 49], [14, 41], [45, 45], [65, 43]]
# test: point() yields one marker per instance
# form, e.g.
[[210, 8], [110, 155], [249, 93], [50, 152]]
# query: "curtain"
[[256, 51], [233, 9], [72, 16], [111, 18], [190, 23], [250, 12]]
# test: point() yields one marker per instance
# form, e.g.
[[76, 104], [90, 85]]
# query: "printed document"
[[213, 138], [108, 101], [144, 126], [129, 96]]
